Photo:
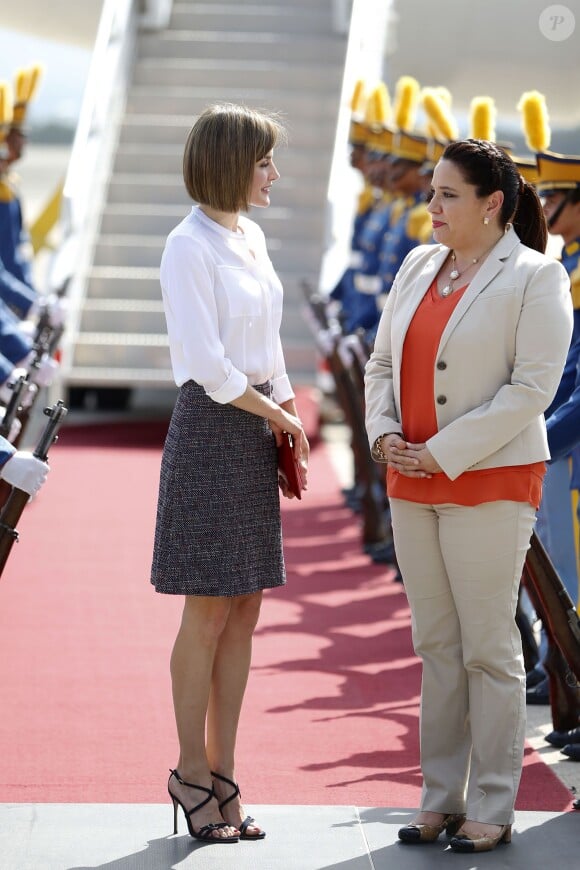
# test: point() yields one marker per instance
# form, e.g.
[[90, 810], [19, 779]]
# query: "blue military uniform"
[[563, 423], [14, 292], [344, 291], [6, 450], [409, 225], [363, 308], [16, 297], [557, 525], [15, 247]]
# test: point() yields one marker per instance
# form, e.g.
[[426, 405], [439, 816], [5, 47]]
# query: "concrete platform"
[[138, 837]]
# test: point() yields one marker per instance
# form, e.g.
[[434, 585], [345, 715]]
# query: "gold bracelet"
[[378, 449]]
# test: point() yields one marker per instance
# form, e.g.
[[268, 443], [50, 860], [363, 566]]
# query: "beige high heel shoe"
[[429, 833], [484, 843]]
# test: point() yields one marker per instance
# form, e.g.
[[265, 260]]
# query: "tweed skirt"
[[218, 528]]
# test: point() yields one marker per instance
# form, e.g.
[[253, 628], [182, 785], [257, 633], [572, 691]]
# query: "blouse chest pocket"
[[242, 291]]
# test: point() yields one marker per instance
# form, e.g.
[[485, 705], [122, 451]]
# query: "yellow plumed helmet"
[[378, 107], [6, 105], [535, 122], [445, 95], [358, 99], [442, 123], [406, 101], [482, 115], [6, 109], [26, 83]]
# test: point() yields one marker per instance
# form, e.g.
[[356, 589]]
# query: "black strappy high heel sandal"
[[204, 833], [243, 828]]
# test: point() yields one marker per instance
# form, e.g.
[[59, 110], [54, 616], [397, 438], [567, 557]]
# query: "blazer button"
[[441, 365], [441, 400]]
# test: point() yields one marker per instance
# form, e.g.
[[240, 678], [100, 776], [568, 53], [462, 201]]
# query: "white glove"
[[6, 387], [43, 376], [29, 396], [25, 471], [57, 308], [15, 427]]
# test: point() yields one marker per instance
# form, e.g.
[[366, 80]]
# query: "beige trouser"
[[461, 567]]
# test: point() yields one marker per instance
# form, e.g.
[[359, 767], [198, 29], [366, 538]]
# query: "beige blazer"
[[499, 361]]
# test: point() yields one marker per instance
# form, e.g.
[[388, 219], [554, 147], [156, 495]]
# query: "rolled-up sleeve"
[[197, 352], [281, 387]]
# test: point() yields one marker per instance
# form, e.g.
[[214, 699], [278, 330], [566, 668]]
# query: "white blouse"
[[223, 306]]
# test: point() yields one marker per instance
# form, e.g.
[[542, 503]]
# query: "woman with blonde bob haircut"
[[218, 535]]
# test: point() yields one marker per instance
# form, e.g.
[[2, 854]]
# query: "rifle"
[[562, 626], [25, 412], [13, 406], [345, 357], [18, 499]]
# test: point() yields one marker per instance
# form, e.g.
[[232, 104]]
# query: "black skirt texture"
[[218, 526]]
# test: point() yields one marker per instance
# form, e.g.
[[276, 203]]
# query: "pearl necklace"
[[454, 274]]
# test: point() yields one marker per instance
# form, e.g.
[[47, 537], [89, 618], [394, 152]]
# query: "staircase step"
[[252, 16], [324, 78], [234, 44], [138, 316], [173, 129], [109, 376], [110, 350], [123, 282], [191, 101]]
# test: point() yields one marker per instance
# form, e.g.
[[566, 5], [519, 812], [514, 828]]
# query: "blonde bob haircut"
[[221, 151]]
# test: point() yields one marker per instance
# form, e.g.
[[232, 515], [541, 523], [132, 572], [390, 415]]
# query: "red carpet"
[[331, 711]]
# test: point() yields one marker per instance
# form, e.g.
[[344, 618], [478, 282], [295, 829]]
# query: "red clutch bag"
[[288, 466]]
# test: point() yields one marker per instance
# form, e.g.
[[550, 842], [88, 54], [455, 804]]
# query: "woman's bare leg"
[[192, 663], [229, 680]]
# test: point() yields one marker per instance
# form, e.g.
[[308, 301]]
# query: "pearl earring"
[[486, 220]]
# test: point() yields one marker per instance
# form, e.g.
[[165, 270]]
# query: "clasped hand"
[[412, 460]]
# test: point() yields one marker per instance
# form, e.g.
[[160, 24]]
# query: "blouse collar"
[[215, 227]]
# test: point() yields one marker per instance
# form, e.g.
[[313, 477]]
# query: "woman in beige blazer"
[[468, 354]]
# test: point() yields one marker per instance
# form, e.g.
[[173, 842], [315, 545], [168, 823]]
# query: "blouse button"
[[441, 365], [441, 400]]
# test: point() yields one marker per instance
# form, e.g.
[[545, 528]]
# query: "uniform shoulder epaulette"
[[6, 191], [419, 224], [398, 209], [366, 199], [575, 286]]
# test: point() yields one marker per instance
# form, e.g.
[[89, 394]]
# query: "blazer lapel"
[[414, 294], [492, 266]]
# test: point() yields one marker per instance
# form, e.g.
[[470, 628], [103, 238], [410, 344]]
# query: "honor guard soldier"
[[559, 188], [367, 280], [18, 300], [15, 248], [361, 159], [371, 227]]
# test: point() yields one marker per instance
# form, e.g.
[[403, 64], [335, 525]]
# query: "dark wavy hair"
[[488, 168]]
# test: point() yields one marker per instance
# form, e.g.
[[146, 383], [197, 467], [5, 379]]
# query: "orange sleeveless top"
[[511, 483]]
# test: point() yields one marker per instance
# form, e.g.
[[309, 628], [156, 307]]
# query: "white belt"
[[369, 285]]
